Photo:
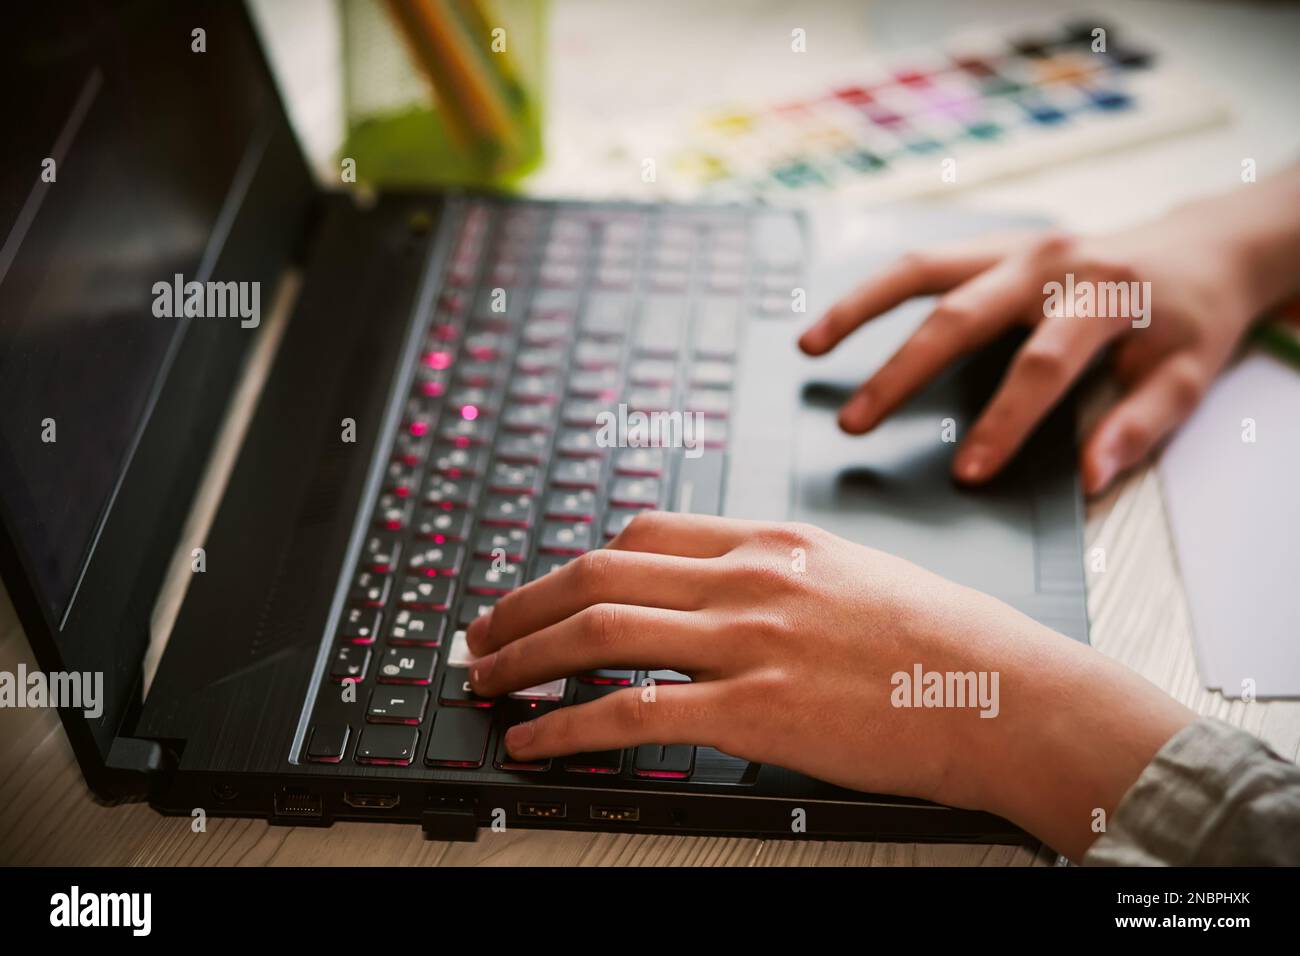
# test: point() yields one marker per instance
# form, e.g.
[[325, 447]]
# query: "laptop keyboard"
[[548, 316]]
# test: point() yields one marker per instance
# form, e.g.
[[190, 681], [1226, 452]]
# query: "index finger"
[[604, 576], [663, 714], [911, 275]]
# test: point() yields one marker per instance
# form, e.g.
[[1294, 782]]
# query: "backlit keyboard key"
[[382, 552], [537, 417], [566, 537], [443, 492], [387, 745], [397, 706], [425, 594], [492, 577], [604, 761], [328, 743], [394, 513], [360, 625], [370, 589], [635, 492], [608, 677], [407, 665], [350, 664], [647, 462], [437, 524], [525, 447], [438, 559], [513, 510], [422, 628], [552, 691], [458, 738], [660, 762], [572, 505], [510, 477], [456, 690], [508, 543], [577, 473], [455, 461], [579, 443], [474, 606]]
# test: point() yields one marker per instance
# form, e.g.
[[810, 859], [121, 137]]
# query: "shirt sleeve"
[[1212, 796]]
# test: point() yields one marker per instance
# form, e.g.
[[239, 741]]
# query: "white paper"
[[1234, 512]]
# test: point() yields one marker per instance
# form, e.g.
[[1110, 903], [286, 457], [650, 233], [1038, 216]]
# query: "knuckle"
[[1185, 387], [1052, 245], [645, 523], [1112, 270], [766, 573], [785, 535], [1042, 363], [914, 264], [592, 571], [639, 712], [602, 624], [950, 317], [1133, 437]]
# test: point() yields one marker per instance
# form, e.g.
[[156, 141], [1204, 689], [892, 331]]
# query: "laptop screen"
[[124, 143]]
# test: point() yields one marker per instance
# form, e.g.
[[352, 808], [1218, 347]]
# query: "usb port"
[[371, 801], [549, 811], [616, 814], [298, 803]]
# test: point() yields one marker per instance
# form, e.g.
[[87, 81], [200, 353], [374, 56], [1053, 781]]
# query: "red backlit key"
[[407, 665], [360, 625], [425, 594], [387, 745], [458, 738], [664, 762]]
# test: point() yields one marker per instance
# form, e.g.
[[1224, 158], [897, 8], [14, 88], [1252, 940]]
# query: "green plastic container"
[[396, 133]]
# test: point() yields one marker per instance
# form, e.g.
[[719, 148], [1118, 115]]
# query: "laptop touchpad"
[[892, 488]]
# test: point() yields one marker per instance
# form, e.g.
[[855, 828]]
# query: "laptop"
[[267, 448]]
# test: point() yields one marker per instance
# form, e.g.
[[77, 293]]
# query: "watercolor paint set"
[[985, 106]]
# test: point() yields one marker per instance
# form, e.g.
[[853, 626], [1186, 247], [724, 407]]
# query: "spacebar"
[[699, 483]]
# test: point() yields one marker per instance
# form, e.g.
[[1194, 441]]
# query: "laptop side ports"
[[615, 814], [547, 811]]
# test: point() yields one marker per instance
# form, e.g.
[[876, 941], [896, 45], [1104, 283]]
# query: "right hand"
[[1201, 305]]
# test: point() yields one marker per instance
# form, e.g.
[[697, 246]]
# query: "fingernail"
[[1102, 472], [973, 463], [520, 735], [481, 669], [855, 416]]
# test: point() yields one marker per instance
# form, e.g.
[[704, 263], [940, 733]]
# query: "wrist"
[[1076, 730]]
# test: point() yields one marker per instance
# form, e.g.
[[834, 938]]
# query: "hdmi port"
[[371, 801]]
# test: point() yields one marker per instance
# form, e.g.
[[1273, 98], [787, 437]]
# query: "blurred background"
[[618, 82]]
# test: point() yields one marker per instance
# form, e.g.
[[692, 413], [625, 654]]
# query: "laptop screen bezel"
[[106, 630]]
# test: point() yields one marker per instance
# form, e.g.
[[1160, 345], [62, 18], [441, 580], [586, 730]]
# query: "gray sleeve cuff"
[[1212, 795]]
